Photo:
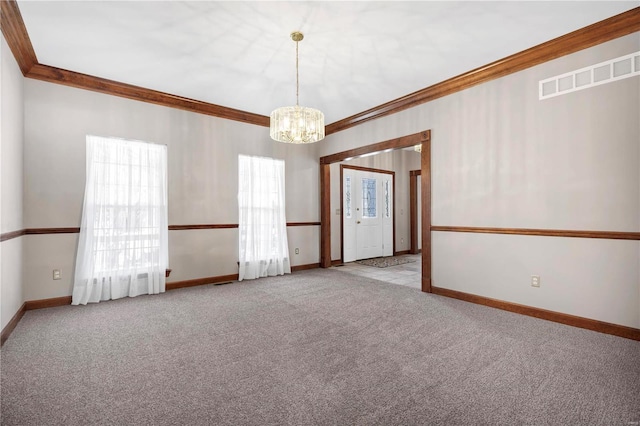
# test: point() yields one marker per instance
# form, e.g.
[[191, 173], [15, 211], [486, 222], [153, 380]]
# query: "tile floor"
[[408, 274]]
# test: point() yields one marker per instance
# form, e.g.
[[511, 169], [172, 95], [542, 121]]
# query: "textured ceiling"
[[355, 55]]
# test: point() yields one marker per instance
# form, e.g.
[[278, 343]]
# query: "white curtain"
[[264, 250], [123, 245]]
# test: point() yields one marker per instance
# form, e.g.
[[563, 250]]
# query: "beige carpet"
[[318, 347]]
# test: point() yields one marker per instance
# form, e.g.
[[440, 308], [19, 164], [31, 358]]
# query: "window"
[[263, 246], [123, 239], [369, 198], [347, 196], [387, 204]]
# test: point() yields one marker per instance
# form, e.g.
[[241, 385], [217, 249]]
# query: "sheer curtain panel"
[[123, 245], [264, 250]]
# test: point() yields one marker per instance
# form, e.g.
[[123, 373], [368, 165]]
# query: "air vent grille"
[[594, 75]]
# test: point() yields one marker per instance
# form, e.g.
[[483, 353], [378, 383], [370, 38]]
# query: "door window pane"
[[368, 197], [387, 208], [347, 196]]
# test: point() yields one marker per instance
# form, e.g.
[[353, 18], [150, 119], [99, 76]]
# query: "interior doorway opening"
[[422, 138], [367, 207]]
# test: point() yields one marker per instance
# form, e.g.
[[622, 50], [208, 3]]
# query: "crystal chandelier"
[[296, 124]]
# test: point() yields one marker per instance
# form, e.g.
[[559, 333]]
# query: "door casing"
[[421, 138], [345, 233]]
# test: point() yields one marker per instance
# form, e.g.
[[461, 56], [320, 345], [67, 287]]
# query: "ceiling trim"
[[18, 40], [110, 87], [600, 32], [16, 35]]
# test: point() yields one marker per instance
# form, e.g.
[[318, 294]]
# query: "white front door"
[[348, 215], [368, 214]]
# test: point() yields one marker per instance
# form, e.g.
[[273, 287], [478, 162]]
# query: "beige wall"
[[202, 169], [400, 162], [502, 158], [11, 188]]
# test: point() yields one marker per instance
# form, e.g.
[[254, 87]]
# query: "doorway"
[[422, 138], [367, 209]]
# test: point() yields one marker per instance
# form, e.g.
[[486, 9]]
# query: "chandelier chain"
[[297, 76]]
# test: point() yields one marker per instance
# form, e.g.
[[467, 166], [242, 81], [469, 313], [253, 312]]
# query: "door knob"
[[358, 222]]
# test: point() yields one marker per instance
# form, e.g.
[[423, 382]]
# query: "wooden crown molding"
[[110, 87], [18, 40], [17, 37], [600, 32], [15, 33]]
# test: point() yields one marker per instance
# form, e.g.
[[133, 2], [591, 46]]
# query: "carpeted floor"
[[316, 347], [384, 262]]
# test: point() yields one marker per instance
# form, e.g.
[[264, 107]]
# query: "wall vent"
[[594, 75]]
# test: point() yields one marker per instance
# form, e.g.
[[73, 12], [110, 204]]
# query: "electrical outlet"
[[535, 280], [297, 250], [56, 274]]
